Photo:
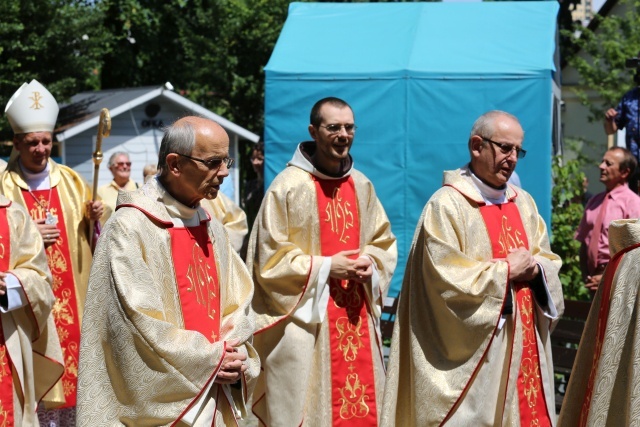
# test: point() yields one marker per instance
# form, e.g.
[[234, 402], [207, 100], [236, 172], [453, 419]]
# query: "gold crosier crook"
[[104, 129]]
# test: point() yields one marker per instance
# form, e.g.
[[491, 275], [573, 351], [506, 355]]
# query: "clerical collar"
[[493, 196], [302, 159], [181, 214], [36, 180]]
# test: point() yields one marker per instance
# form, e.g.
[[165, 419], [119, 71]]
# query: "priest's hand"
[[49, 232], [522, 265], [364, 269], [232, 365], [343, 266], [95, 209], [593, 282]]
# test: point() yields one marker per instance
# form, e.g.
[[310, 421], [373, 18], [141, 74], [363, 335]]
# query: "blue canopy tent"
[[417, 76]]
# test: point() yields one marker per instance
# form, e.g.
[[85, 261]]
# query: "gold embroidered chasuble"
[[615, 400], [73, 192], [285, 259], [453, 361], [138, 363], [231, 216], [29, 331]]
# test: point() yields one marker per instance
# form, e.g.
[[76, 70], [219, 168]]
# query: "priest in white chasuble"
[[604, 384], [322, 255], [481, 293], [168, 323], [30, 355], [60, 202]]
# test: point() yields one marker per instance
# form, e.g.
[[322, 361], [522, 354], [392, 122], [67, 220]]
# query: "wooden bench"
[[564, 344]]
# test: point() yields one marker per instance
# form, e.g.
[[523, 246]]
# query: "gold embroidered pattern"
[[56, 260], [57, 281], [346, 295], [2, 250], [39, 208], [352, 398], [509, 238], [530, 375], [202, 282], [4, 414], [339, 214], [36, 101], [71, 369], [349, 340], [62, 310], [3, 365]]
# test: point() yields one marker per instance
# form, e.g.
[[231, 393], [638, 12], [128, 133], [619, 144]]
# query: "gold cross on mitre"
[[36, 101]]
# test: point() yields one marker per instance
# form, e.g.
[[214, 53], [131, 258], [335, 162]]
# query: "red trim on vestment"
[[284, 316], [57, 362], [353, 395], [167, 224], [195, 399], [7, 410], [495, 328], [40, 204], [506, 231], [197, 282], [255, 402], [603, 314]]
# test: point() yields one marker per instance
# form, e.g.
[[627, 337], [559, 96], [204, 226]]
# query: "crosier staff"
[[104, 129]]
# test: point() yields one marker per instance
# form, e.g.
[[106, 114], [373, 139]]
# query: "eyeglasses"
[[335, 128], [128, 164], [508, 148], [214, 163]]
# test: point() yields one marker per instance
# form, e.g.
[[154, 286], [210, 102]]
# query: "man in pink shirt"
[[617, 202]]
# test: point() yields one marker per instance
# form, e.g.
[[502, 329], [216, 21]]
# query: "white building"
[[137, 118]]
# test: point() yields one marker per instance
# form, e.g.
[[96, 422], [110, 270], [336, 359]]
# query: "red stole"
[[6, 374], [197, 279], [603, 317], [353, 393], [65, 310], [506, 232]]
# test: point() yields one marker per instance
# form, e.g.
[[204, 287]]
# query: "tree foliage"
[[58, 42], [603, 50], [566, 201], [212, 51]]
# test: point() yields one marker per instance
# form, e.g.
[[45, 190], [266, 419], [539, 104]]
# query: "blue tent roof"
[[321, 40], [417, 75]]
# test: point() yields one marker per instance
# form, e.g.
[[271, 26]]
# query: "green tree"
[[58, 42], [602, 53], [213, 52], [566, 201]]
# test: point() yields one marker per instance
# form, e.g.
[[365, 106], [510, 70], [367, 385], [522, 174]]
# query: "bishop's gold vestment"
[[29, 332], [138, 364], [285, 259], [453, 358], [73, 193], [615, 390]]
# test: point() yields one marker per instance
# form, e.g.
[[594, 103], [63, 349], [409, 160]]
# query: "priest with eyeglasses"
[[322, 255], [480, 296], [168, 325]]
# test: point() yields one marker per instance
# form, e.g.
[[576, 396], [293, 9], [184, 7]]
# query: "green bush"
[[567, 210]]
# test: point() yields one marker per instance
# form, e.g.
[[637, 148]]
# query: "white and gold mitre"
[[32, 109]]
